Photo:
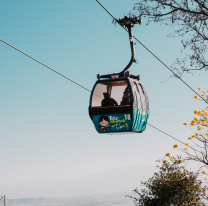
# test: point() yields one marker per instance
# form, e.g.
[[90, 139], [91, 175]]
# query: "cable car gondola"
[[118, 101]]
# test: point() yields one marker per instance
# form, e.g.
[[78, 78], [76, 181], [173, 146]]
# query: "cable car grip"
[[128, 24]]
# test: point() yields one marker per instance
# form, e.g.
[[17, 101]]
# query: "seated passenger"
[[126, 100], [108, 101]]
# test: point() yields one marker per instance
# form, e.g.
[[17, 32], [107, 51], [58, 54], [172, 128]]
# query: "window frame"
[[141, 87], [110, 80]]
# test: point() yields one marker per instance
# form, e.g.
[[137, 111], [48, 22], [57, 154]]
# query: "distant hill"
[[113, 181], [114, 199], [28, 201]]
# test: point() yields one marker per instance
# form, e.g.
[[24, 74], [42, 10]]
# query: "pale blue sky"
[[45, 130]]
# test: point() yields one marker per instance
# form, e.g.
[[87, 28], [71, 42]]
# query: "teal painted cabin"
[[119, 105]]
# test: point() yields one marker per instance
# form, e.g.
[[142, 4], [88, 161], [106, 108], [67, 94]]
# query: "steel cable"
[[44, 65], [84, 87], [173, 137], [141, 44], [156, 56]]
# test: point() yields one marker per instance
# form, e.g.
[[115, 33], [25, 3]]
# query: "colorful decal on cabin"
[[103, 122], [110, 123]]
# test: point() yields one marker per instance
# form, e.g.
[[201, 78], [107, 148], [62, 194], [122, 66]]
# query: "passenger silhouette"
[[108, 101], [126, 100]]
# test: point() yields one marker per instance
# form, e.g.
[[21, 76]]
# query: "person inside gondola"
[[108, 101], [126, 100]]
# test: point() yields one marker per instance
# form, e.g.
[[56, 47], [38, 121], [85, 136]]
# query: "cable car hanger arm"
[[127, 23]]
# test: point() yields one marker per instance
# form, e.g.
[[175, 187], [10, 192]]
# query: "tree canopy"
[[172, 185], [190, 18]]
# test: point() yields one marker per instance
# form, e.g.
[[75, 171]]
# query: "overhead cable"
[[173, 137], [45, 65], [97, 24], [85, 88], [141, 44], [156, 57]]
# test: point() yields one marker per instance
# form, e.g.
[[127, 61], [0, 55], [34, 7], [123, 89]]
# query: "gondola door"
[[111, 106], [145, 108], [137, 108]]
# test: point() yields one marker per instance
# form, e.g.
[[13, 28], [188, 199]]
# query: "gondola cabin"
[[119, 102], [119, 105]]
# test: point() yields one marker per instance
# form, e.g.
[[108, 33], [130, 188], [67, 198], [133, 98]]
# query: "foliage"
[[190, 18], [198, 149], [172, 185]]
